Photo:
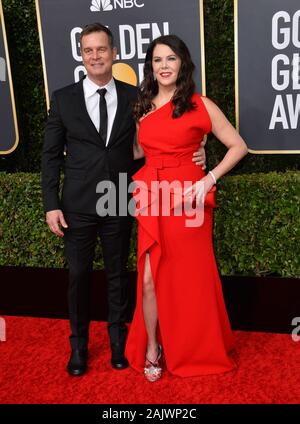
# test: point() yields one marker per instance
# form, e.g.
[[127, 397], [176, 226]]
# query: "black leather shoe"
[[77, 364], [118, 360]]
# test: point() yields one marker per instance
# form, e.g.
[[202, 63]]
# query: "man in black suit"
[[92, 121]]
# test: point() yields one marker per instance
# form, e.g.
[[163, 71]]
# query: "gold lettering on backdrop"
[[133, 41]]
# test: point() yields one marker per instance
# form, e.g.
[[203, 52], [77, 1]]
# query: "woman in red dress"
[[180, 312]]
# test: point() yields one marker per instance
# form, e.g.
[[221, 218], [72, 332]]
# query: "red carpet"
[[33, 359]]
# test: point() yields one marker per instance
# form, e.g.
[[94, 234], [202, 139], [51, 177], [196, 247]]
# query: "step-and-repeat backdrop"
[[268, 74], [9, 137], [134, 23], [267, 58]]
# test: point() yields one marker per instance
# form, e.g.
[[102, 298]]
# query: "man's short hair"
[[97, 27]]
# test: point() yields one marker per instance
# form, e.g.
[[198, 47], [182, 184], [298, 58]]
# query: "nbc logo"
[[107, 5], [97, 4]]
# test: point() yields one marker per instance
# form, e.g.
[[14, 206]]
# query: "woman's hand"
[[199, 190]]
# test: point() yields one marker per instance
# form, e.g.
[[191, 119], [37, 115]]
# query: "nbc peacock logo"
[[107, 5], [98, 5]]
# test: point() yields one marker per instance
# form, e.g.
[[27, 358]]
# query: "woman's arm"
[[227, 134], [138, 151], [236, 146]]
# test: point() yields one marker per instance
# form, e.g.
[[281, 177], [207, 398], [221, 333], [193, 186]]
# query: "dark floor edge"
[[266, 304]]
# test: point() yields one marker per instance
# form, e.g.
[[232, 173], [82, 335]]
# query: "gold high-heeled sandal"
[[153, 370]]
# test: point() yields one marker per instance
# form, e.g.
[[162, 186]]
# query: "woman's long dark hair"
[[185, 85]]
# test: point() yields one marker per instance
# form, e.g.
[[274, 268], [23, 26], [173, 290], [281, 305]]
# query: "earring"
[[154, 77]]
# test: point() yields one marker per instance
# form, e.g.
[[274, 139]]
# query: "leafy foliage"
[[256, 226]]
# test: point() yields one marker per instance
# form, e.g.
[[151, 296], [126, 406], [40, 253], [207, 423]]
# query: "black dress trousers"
[[80, 241]]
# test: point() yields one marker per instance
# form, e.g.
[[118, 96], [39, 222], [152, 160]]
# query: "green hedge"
[[23, 41], [256, 228]]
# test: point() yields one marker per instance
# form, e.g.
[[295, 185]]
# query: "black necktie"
[[103, 114]]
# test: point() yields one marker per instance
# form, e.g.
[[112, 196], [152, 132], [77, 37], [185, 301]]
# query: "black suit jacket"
[[87, 160]]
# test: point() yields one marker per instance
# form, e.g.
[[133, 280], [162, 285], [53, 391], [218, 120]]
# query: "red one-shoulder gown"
[[193, 325]]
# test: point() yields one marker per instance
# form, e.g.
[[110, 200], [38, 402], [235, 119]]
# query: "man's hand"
[[55, 220], [199, 156]]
